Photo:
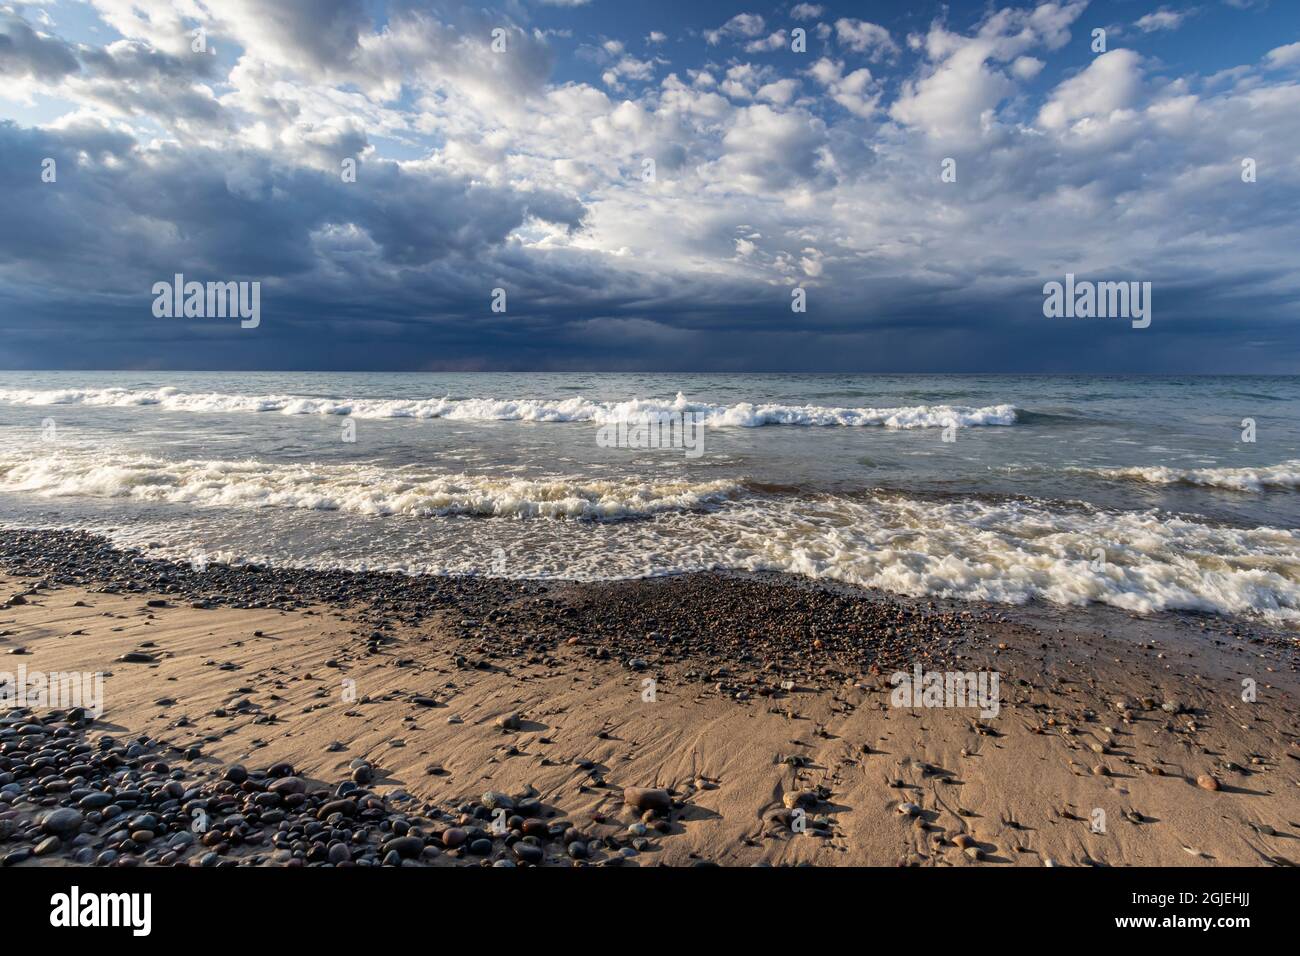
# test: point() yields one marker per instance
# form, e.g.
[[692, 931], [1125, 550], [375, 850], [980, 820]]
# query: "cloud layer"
[[645, 201]]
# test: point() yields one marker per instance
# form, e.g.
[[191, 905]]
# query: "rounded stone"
[[800, 798], [61, 822], [339, 853], [528, 853], [648, 798]]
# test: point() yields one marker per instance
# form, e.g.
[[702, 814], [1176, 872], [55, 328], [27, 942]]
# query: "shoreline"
[[771, 723]]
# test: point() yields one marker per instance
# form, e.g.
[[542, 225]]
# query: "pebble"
[[800, 798], [61, 822], [287, 785], [648, 798], [529, 853], [407, 846]]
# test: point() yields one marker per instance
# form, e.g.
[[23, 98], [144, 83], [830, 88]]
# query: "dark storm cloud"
[[479, 169], [233, 212]]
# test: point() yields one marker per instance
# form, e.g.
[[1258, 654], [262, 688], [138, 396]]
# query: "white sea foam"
[[356, 489], [1283, 475], [369, 516], [741, 415], [1017, 550]]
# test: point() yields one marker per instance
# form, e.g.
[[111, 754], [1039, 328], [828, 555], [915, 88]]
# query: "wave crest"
[[1285, 475], [359, 489], [740, 415]]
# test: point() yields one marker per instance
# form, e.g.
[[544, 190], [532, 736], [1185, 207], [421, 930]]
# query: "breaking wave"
[[358, 489], [1013, 551], [1281, 476], [740, 415], [1008, 550]]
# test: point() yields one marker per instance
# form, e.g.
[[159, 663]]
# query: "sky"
[[650, 186]]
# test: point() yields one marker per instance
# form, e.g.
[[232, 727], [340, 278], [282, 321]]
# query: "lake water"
[[1138, 492]]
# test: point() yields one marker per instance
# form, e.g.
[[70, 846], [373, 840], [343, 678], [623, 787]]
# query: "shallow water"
[[1137, 492]]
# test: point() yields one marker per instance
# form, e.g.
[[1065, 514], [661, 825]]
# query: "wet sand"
[[761, 703]]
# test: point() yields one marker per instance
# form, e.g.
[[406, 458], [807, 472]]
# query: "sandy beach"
[[758, 708]]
